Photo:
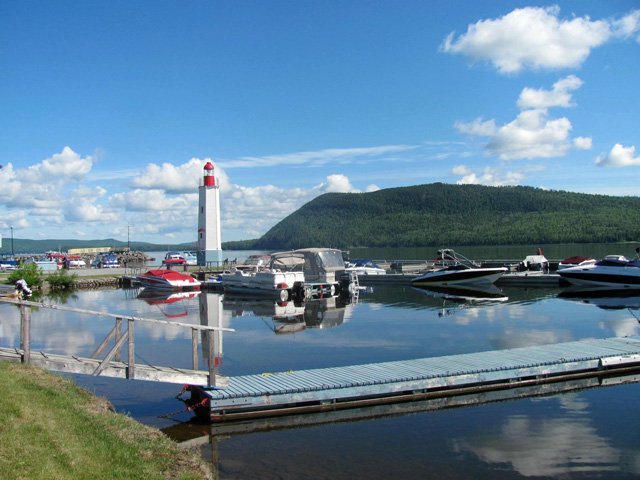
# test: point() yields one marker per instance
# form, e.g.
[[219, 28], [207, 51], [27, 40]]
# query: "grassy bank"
[[50, 428]]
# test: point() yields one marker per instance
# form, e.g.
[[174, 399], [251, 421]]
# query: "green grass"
[[50, 428]]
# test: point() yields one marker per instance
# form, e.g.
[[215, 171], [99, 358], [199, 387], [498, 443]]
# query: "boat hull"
[[462, 277], [620, 277]]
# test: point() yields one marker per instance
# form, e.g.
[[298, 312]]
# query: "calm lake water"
[[586, 433]]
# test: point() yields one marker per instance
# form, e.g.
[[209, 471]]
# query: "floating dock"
[[336, 388]]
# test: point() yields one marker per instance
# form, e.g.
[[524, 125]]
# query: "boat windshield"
[[331, 259]]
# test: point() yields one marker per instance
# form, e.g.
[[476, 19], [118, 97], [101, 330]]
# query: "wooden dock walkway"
[[360, 385], [89, 366]]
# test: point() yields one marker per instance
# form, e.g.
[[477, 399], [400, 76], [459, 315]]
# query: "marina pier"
[[338, 388]]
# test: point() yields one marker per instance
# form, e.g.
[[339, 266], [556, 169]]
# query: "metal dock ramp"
[[389, 382]]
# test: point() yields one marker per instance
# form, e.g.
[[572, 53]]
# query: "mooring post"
[[194, 348], [25, 333], [132, 357]]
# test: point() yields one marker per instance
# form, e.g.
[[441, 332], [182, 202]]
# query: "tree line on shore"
[[445, 214], [427, 215]]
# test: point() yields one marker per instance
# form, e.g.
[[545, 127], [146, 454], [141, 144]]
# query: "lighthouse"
[[209, 240]]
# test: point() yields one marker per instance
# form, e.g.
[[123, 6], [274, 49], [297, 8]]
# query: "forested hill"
[[444, 214]]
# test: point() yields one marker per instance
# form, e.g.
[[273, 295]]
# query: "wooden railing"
[[25, 355]]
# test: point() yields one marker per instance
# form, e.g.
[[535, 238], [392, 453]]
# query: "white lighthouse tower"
[[209, 239]]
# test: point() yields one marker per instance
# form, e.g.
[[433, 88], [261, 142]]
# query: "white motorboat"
[[324, 270], [303, 273], [365, 267], [168, 279], [271, 283], [612, 271], [459, 271]]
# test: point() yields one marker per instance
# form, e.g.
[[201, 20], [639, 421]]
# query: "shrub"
[[29, 272], [61, 279]]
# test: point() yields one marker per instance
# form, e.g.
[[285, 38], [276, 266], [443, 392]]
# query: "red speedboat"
[[168, 279]]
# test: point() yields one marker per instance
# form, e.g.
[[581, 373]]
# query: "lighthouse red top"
[[209, 178]]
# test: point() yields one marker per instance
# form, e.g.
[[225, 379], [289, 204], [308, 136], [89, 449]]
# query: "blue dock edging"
[[309, 390]]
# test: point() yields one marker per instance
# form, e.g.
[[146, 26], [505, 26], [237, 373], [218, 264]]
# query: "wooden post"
[[194, 348], [118, 335], [25, 333], [131, 373], [213, 369]]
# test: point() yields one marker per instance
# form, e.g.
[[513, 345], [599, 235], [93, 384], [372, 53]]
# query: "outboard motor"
[[347, 282]]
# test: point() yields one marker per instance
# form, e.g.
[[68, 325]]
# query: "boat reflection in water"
[[464, 296], [291, 317], [171, 304], [603, 297]]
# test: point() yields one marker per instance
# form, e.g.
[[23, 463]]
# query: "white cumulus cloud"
[[619, 156], [489, 176], [537, 38], [182, 178], [531, 135], [339, 184], [534, 133], [559, 96]]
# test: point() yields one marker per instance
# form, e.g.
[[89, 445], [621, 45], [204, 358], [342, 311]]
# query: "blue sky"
[[109, 110]]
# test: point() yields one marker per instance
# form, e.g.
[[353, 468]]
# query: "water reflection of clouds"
[[69, 342], [548, 446], [512, 338], [621, 327], [256, 337]]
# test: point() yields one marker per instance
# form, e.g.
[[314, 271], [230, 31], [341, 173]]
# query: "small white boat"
[[174, 258], [167, 279], [365, 267], [459, 271], [75, 262], [44, 264], [190, 257], [613, 271], [534, 263], [106, 260], [576, 261]]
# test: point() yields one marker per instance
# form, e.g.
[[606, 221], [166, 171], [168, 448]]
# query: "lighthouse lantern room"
[[209, 239]]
